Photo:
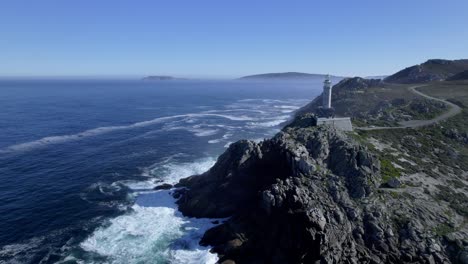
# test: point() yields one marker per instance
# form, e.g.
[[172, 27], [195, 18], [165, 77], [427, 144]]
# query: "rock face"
[[289, 197], [308, 195], [357, 83]]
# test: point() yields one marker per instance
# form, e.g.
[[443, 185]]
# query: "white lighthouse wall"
[[326, 100]]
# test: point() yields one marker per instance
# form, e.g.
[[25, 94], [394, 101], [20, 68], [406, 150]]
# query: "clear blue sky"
[[226, 38]]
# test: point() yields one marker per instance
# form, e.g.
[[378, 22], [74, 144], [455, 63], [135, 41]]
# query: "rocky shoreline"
[[311, 195]]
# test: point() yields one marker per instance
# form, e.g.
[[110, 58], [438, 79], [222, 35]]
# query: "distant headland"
[[287, 76], [161, 78]]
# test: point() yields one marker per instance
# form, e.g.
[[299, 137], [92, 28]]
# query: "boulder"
[[394, 183], [164, 186]]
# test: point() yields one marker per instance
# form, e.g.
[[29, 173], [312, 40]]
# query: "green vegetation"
[[374, 103], [423, 109], [361, 139], [439, 150], [400, 221], [443, 229], [395, 195], [429, 70], [388, 171], [457, 183], [457, 200]]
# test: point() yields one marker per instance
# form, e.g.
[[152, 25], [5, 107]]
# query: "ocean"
[[79, 160]]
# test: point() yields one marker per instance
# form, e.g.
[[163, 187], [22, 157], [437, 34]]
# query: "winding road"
[[453, 110]]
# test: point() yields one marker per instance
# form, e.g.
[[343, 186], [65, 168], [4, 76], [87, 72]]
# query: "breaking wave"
[[153, 231]]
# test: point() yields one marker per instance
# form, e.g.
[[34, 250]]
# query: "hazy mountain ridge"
[[161, 78], [431, 70], [287, 76]]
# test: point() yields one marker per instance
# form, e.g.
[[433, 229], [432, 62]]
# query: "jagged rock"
[[411, 141], [228, 261], [308, 195], [164, 186], [453, 133], [358, 83], [394, 183], [463, 257]]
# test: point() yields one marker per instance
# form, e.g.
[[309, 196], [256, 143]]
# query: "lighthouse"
[[326, 95], [326, 113]]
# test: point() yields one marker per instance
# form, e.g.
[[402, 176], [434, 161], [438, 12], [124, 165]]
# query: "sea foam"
[[103, 130], [154, 231]]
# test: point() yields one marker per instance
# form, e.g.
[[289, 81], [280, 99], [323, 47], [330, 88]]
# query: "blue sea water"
[[79, 159]]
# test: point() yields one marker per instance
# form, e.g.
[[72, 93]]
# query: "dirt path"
[[453, 110]]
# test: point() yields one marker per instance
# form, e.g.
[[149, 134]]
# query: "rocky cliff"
[[311, 195]]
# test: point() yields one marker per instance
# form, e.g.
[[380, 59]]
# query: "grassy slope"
[[381, 106], [446, 69], [434, 69], [430, 164], [430, 152]]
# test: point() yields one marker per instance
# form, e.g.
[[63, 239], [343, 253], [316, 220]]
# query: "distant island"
[[161, 78], [286, 76]]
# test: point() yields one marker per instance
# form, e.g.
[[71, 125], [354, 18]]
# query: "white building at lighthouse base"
[[340, 123]]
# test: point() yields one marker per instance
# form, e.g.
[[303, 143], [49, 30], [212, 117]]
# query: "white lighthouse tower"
[[326, 95], [327, 114]]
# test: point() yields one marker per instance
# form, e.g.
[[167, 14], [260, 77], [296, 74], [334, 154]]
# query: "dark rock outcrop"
[[164, 186], [357, 83], [308, 195]]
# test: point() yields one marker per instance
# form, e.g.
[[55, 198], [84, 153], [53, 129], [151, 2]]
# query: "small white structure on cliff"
[[327, 91], [341, 123]]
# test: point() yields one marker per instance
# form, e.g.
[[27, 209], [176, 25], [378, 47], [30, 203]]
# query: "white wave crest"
[[218, 140], [267, 124], [154, 232], [204, 132], [171, 172], [103, 130]]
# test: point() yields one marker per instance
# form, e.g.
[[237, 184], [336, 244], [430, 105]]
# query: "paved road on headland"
[[453, 110]]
